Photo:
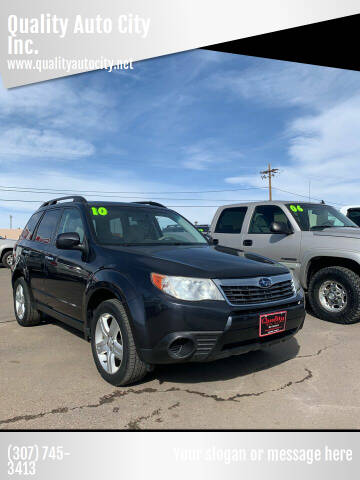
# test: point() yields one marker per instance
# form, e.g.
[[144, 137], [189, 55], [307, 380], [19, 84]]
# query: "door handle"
[[247, 243]]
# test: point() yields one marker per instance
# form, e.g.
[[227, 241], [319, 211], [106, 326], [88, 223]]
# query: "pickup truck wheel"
[[8, 259], [113, 346], [25, 312], [334, 295]]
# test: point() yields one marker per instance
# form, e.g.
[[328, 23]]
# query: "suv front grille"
[[251, 294]]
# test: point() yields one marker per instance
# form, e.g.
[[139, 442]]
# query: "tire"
[[7, 259], [107, 338], [349, 284], [30, 316]]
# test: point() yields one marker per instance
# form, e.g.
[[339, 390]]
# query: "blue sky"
[[189, 122]]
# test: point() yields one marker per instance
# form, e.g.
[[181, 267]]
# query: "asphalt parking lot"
[[48, 381]]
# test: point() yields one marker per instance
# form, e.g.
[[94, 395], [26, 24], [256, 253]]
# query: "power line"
[[297, 194], [111, 194], [42, 201], [143, 198], [171, 206], [22, 201], [46, 190]]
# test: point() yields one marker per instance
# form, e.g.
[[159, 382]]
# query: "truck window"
[[231, 220], [264, 216], [30, 226], [354, 215]]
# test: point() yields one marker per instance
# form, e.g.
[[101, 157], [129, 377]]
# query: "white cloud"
[[27, 142], [57, 104], [324, 148], [330, 136], [198, 158], [207, 153], [284, 84], [322, 127]]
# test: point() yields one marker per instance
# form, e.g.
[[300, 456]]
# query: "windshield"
[[311, 216], [116, 225]]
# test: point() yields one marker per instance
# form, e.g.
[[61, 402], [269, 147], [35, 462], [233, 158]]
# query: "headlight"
[[295, 282], [186, 288]]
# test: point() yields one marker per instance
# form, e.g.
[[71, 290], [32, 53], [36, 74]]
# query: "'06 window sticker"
[[296, 208]]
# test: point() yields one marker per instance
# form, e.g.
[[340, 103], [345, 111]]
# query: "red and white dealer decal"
[[272, 323]]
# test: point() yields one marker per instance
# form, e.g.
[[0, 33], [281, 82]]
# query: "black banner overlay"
[[332, 44]]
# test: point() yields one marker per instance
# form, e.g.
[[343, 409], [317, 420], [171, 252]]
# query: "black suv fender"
[[108, 283], [19, 270]]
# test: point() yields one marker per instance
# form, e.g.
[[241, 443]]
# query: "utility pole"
[[269, 173], [11, 222]]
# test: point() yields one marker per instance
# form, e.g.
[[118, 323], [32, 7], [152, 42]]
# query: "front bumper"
[[240, 334]]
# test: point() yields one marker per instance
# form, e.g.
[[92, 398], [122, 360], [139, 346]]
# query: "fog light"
[[181, 348]]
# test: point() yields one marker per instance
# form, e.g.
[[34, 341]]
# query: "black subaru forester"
[[146, 288]]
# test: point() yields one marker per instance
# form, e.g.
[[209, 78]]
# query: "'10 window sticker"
[[99, 211]]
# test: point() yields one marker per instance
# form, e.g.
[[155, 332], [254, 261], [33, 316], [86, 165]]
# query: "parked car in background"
[[6, 251], [316, 241], [147, 288], [204, 229], [353, 212]]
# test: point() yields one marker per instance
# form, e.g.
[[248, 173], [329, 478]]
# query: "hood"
[[203, 261], [349, 232]]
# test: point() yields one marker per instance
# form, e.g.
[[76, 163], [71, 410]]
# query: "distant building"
[[13, 233]]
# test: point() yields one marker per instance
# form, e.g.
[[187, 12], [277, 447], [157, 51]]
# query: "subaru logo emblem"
[[265, 282]]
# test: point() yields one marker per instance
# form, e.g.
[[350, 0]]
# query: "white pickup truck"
[[6, 251], [316, 241]]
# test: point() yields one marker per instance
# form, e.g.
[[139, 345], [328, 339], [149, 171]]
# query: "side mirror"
[[281, 228], [214, 241], [68, 241]]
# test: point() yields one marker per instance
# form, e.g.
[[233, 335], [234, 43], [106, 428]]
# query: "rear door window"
[[231, 220], [46, 229], [30, 226]]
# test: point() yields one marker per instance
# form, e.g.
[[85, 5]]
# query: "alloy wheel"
[[108, 343], [20, 302], [333, 296]]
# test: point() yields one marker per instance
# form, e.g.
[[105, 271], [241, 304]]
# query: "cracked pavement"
[[48, 381]]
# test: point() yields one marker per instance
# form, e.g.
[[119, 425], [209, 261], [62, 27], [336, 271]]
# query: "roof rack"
[[153, 204], [56, 200]]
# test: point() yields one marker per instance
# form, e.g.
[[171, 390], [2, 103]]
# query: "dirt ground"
[[49, 381]]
